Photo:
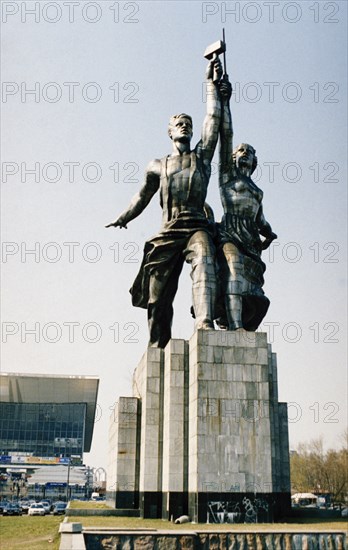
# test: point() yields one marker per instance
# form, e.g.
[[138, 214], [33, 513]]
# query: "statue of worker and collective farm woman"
[[226, 266]]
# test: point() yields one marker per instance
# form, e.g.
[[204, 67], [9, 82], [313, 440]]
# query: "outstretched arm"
[[210, 130], [265, 229], [226, 129], [140, 201]]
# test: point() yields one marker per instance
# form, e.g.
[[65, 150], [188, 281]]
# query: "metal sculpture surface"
[[239, 254], [186, 233]]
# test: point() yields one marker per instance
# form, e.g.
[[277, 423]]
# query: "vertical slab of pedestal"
[[285, 486], [175, 430], [127, 453], [230, 454], [148, 387], [274, 418], [280, 444]]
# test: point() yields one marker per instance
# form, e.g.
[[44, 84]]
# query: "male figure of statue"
[[186, 232], [241, 267]]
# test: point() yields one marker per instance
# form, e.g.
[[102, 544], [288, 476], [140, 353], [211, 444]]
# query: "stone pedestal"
[[213, 436], [234, 428], [124, 453], [175, 430], [148, 388]]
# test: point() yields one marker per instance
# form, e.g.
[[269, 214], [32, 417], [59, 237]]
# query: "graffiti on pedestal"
[[247, 510]]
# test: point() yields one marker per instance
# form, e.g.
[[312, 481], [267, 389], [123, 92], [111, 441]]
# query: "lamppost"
[[68, 476]]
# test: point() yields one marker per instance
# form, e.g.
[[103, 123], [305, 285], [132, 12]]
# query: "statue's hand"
[[214, 70], [225, 88], [118, 223], [217, 69], [268, 240]]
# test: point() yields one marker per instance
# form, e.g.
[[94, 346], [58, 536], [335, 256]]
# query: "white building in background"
[[46, 424]]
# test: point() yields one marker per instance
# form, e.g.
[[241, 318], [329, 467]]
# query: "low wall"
[[164, 540], [84, 512], [315, 513]]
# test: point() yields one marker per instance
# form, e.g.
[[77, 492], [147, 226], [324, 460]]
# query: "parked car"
[[12, 509], [46, 505], [24, 504], [3, 504], [36, 509], [59, 508], [344, 513]]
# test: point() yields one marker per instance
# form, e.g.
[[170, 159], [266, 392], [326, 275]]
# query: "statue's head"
[[244, 156], [180, 127]]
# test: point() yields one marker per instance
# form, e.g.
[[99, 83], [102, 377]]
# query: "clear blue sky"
[[106, 82]]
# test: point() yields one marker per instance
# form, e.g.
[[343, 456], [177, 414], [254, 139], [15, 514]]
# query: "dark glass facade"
[[43, 429]]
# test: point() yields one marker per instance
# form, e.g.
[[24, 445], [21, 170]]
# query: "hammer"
[[213, 51]]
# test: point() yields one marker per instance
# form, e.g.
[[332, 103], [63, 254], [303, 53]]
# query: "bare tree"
[[316, 471]]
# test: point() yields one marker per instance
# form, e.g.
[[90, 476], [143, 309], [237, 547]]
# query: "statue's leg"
[[162, 289], [200, 253], [233, 285]]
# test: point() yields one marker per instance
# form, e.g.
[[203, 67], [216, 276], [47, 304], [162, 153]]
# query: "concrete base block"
[[66, 527], [211, 438], [70, 541]]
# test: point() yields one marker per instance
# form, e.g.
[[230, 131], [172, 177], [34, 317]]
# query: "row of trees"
[[316, 471]]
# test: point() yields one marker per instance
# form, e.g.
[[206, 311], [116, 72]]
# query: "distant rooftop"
[[41, 388]]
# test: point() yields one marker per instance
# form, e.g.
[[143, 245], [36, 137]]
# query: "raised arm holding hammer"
[[186, 234]]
